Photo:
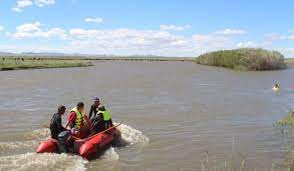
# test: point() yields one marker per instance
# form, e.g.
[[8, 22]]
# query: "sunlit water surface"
[[175, 115]]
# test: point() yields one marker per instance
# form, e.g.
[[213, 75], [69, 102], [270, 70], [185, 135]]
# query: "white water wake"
[[129, 137], [132, 136], [33, 161]]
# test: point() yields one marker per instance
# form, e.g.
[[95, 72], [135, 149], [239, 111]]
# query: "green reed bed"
[[244, 59], [31, 63], [287, 121]]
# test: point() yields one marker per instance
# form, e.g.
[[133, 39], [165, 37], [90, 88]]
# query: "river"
[[174, 115]]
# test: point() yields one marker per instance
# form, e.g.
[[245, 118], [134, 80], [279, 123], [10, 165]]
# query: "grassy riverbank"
[[31, 63], [232, 59], [244, 59]]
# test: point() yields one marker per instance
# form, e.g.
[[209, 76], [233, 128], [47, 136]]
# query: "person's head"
[[101, 108], [61, 110], [277, 85], [80, 106], [96, 101]]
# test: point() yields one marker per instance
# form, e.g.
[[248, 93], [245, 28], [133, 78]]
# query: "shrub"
[[245, 58]]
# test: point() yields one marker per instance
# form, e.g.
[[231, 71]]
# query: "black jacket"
[[56, 126], [94, 111]]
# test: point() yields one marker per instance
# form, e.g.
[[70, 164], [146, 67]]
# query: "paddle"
[[103, 131]]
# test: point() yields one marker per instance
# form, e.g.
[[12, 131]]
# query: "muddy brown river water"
[[175, 115]]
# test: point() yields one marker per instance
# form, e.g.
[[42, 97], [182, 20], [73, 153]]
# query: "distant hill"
[[244, 59], [42, 54], [6, 54], [54, 54]]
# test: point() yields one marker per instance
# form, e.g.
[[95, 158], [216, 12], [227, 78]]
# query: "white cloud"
[[131, 36], [174, 27], [126, 41], [247, 44], [291, 37], [34, 30], [1, 28], [209, 38], [274, 36], [41, 3], [133, 41], [96, 20], [31, 27], [32, 48], [271, 37], [54, 32], [288, 52], [230, 32], [210, 42], [22, 4]]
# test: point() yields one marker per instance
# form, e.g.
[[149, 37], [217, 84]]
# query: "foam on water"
[[39, 134], [110, 154], [31, 141], [132, 136], [129, 136], [16, 145], [33, 161]]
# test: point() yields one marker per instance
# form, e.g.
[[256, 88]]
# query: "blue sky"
[[163, 27]]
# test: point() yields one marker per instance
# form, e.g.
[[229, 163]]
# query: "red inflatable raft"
[[88, 147]]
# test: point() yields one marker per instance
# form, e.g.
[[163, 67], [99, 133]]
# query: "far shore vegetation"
[[18, 63], [287, 121], [241, 59], [244, 59]]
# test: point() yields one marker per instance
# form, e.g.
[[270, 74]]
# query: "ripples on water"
[[187, 117]]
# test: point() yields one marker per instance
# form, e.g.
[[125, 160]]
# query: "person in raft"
[[105, 117], [102, 120], [94, 108], [276, 87], [78, 122], [55, 125]]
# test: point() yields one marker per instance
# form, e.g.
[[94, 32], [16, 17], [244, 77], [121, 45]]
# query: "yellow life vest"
[[79, 118]]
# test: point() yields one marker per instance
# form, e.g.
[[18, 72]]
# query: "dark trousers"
[[107, 124], [64, 141]]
